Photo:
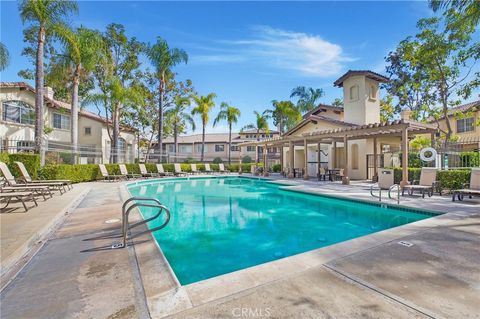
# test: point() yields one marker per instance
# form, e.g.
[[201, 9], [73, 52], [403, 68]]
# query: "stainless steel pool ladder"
[[140, 202], [393, 187]]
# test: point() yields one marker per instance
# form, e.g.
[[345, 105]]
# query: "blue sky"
[[250, 53]]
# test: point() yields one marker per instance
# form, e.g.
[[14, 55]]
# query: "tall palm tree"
[[231, 115], [203, 108], [81, 53], [179, 119], [307, 97], [284, 114], [163, 59], [4, 56], [44, 15], [261, 124]]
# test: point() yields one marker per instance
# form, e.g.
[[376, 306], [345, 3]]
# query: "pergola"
[[400, 128]]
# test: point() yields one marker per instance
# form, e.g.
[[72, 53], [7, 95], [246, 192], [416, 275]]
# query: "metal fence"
[[63, 153]]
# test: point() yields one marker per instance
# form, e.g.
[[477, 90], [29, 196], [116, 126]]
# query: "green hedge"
[[451, 179], [31, 162], [75, 173]]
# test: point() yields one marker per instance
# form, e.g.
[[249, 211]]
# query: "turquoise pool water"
[[220, 225]]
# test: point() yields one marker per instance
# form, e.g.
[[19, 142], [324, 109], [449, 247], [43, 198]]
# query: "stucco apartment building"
[[17, 120], [464, 120], [216, 145]]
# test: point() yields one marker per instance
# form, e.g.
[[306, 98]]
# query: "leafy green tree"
[[4, 56], [43, 16], [284, 114], [307, 98], [231, 115], [118, 79], [467, 10], [338, 102], [76, 63], [436, 65], [204, 104], [163, 59], [261, 124], [388, 109], [179, 119]]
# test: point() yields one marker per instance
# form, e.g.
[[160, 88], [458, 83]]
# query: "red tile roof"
[[369, 74]]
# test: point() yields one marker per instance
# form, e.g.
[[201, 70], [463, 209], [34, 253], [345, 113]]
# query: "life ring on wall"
[[430, 158]]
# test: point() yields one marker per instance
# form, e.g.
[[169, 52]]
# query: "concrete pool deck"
[[75, 274]]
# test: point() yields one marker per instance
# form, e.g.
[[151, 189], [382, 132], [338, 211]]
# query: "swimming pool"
[[223, 224]]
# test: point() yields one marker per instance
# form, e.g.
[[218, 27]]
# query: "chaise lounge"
[[124, 172], [426, 184], [178, 170], [58, 182], [470, 190], [13, 185], [145, 173], [109, 177], [162, 172], [22, 196]]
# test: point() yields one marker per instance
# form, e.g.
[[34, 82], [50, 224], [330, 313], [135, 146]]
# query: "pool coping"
[[176, 298]]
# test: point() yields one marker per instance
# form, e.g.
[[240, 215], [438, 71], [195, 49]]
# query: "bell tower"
[[361, 98]]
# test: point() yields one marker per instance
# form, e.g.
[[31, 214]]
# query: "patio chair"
[[124, 172], [178, 170], [322, 173], [471, 189], [194, 169], [22, 196], [208, 170], [221, 169], [162, 172], [109, 177], [145, 173], [60, 182], [14, 185], [426, 184]]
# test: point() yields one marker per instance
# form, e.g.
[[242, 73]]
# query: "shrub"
[[31, 162], [189, 160], [469, 159], [4, 157], [276, 168], [451, 179], [217, 160], [75, 173], [246, 159]]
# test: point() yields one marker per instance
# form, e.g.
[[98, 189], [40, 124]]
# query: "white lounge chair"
[[124, 172], [178, 170], [29, 180], [22, 196], [221, 168], [426, 184], [145, 173], [162, 172], [13, 185], [471, 189], [208, 170], [109, 177], [194, 169]]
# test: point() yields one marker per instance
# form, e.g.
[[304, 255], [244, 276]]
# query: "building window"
[[250, 148], [88, 130], [354, 93], [185, 149], [219, 148], [61, 121], [235, 148], [354, 150], [373, 92], [198, 148], [465, 125], [18, 112], [171, 148]]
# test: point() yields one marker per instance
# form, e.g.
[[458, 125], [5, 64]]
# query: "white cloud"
[[287, 50]]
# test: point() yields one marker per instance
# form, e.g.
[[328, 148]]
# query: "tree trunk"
[[175, 136], [39, 88], [203, 142], [257, 159], [74, 115], [229, 143], [115, 135], [160, 118]]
